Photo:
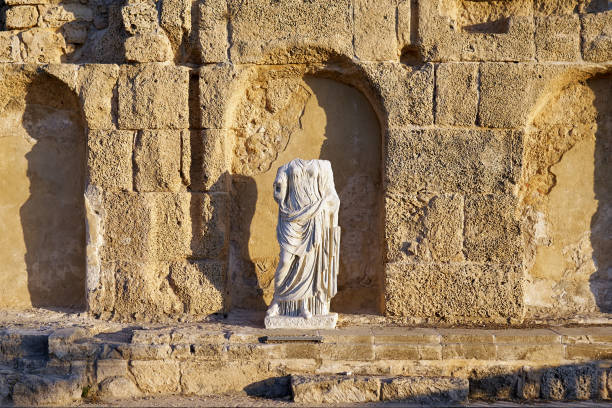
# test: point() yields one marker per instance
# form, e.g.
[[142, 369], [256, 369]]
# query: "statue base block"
[[327, 321]]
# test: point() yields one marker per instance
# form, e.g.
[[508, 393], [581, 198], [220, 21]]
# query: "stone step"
[[23, 344], [329, 389]]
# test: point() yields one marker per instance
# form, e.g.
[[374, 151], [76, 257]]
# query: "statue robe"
[[307, 229]]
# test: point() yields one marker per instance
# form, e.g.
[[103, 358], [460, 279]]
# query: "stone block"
[[34, 390], [9, 47], [157, 160], [425, 390], [144, 351], [482, 351], [128, 227], [149, 47], [569, 382], [544, 8], [515, 45], [57, 15], [359, 352], [492, 231], [452, 160], [456, 94], [75, 32], [522, 336], [420, 228], [217, 85], [210, 228], [397, 352], [530, 352], [406, 92], [143, 292], [557, 38], [375, 30], [404, 22], [514, 82], [97, 84], [109, 158], [156, 377], [110, 368], [153, 96], [400, 335], [176, 22], [201, 285], [454, 292], [330, 389], [210, 169], [588, 352], [327, 321], [25, 2], [212, 31], [40, 45], [215, 377], [117, 387], [140, 18], [20, 17], [290, 32], [597, 36]]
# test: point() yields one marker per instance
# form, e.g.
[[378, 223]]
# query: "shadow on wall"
[[52, 218], [601, 221]]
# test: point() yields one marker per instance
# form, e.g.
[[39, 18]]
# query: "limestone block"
[[469, 351], [34, 390], [532, 352], [57, 15], [157, 160], [217, 84], [424, 228], [329, 389], [144, 351], [106, 44], [97, 85], [406, 92], [190, 224], [42, 46], [425, 390], [456, 94], [140, 18], [588, 352], [327, 321], [25, 2], [128, 226], [214, 164], [148, 47], [153, 96], [290, 31], [569, 382], [597, 36], [210, 225], [109, 158], [155, 377], [75, 32], [175, 19], [20, 17], [200, 285], [557, 38], [143, 291], [442, 39], [212, 377], [492, 233], [9, 47], [117, 387], [212, 31], [514, 82], [375, 34], [110, 368], [453, 160], [404, 20], [559, 7], [454, 292]]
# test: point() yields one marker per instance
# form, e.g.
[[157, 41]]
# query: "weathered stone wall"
[[470, 141]]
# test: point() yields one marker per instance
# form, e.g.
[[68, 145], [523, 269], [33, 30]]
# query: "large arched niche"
[[566, 202], [285, 113], [42, 168]]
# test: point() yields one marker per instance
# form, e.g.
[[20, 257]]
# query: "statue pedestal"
[[327, 321]]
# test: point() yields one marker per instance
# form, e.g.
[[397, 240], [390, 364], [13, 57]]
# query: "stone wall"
[[470, 142]]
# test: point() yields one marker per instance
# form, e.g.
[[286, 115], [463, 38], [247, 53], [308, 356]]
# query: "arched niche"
[[566, 201], [284, 115], [42, 168]]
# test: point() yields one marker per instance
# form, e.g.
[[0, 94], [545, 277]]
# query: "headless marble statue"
[[309, 238]]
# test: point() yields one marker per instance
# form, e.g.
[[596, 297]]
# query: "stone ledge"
[[289, 322]]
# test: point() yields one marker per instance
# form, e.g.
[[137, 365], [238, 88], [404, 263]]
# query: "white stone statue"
[[309, 238]]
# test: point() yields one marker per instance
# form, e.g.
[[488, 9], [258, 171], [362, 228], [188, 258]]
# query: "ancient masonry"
[[471, 145]]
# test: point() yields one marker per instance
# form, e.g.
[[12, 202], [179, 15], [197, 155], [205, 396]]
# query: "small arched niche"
[[566, 197], [284, 116], [42, 167]]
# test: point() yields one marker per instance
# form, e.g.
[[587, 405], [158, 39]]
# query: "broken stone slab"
[[327, 321], [425, 390], [326, 389]]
